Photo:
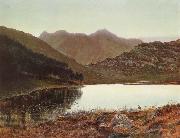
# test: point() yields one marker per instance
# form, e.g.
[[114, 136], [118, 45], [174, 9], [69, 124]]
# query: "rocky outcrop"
[[146, 58]]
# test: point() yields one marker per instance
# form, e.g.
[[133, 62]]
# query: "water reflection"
[[38, 106], [44, 105]]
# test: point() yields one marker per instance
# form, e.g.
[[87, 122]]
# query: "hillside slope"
[[145, 61], [17, 61], [38, 46], [87, 49]]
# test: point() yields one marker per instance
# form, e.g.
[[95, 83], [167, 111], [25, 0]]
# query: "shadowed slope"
[[38, 46]]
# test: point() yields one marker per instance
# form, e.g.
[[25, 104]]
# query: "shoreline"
[[153, 122]]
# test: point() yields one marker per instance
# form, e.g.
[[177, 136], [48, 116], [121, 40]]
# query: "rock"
[[101, 119], [104, 126], [122, 121], [117, 135], [151, 115]]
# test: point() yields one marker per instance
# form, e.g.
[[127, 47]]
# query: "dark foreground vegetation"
[[16, 61], [152, 122]]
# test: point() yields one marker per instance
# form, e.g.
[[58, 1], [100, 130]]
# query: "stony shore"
[[152, 122]]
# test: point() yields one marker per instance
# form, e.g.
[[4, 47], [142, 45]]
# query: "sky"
[[126, 18]]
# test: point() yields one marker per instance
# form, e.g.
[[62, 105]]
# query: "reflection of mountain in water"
[[38, 106]]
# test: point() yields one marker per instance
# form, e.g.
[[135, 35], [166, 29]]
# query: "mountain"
[[16, 61], [41, 47], [145, 61], [87, 49]]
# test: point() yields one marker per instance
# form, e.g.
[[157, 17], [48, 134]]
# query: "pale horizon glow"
[[125, 18]]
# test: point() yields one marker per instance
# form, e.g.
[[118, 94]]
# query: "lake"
[[44, 105], [116, 96]]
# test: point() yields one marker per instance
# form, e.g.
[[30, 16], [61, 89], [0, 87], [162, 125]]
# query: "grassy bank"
[[152, 122]]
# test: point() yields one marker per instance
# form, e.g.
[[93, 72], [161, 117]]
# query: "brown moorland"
[[153, 122]]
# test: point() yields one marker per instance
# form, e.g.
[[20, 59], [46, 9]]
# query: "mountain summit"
[[87, 49], [103, 32]]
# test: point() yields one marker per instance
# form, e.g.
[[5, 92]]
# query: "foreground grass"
[[152, 122]]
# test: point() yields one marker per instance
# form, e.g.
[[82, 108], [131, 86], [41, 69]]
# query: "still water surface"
[[44, 105], [119, 96]]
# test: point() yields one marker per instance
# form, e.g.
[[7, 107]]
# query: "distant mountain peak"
[[61, 32], [103, 31], [86, 49], [43, 34]]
